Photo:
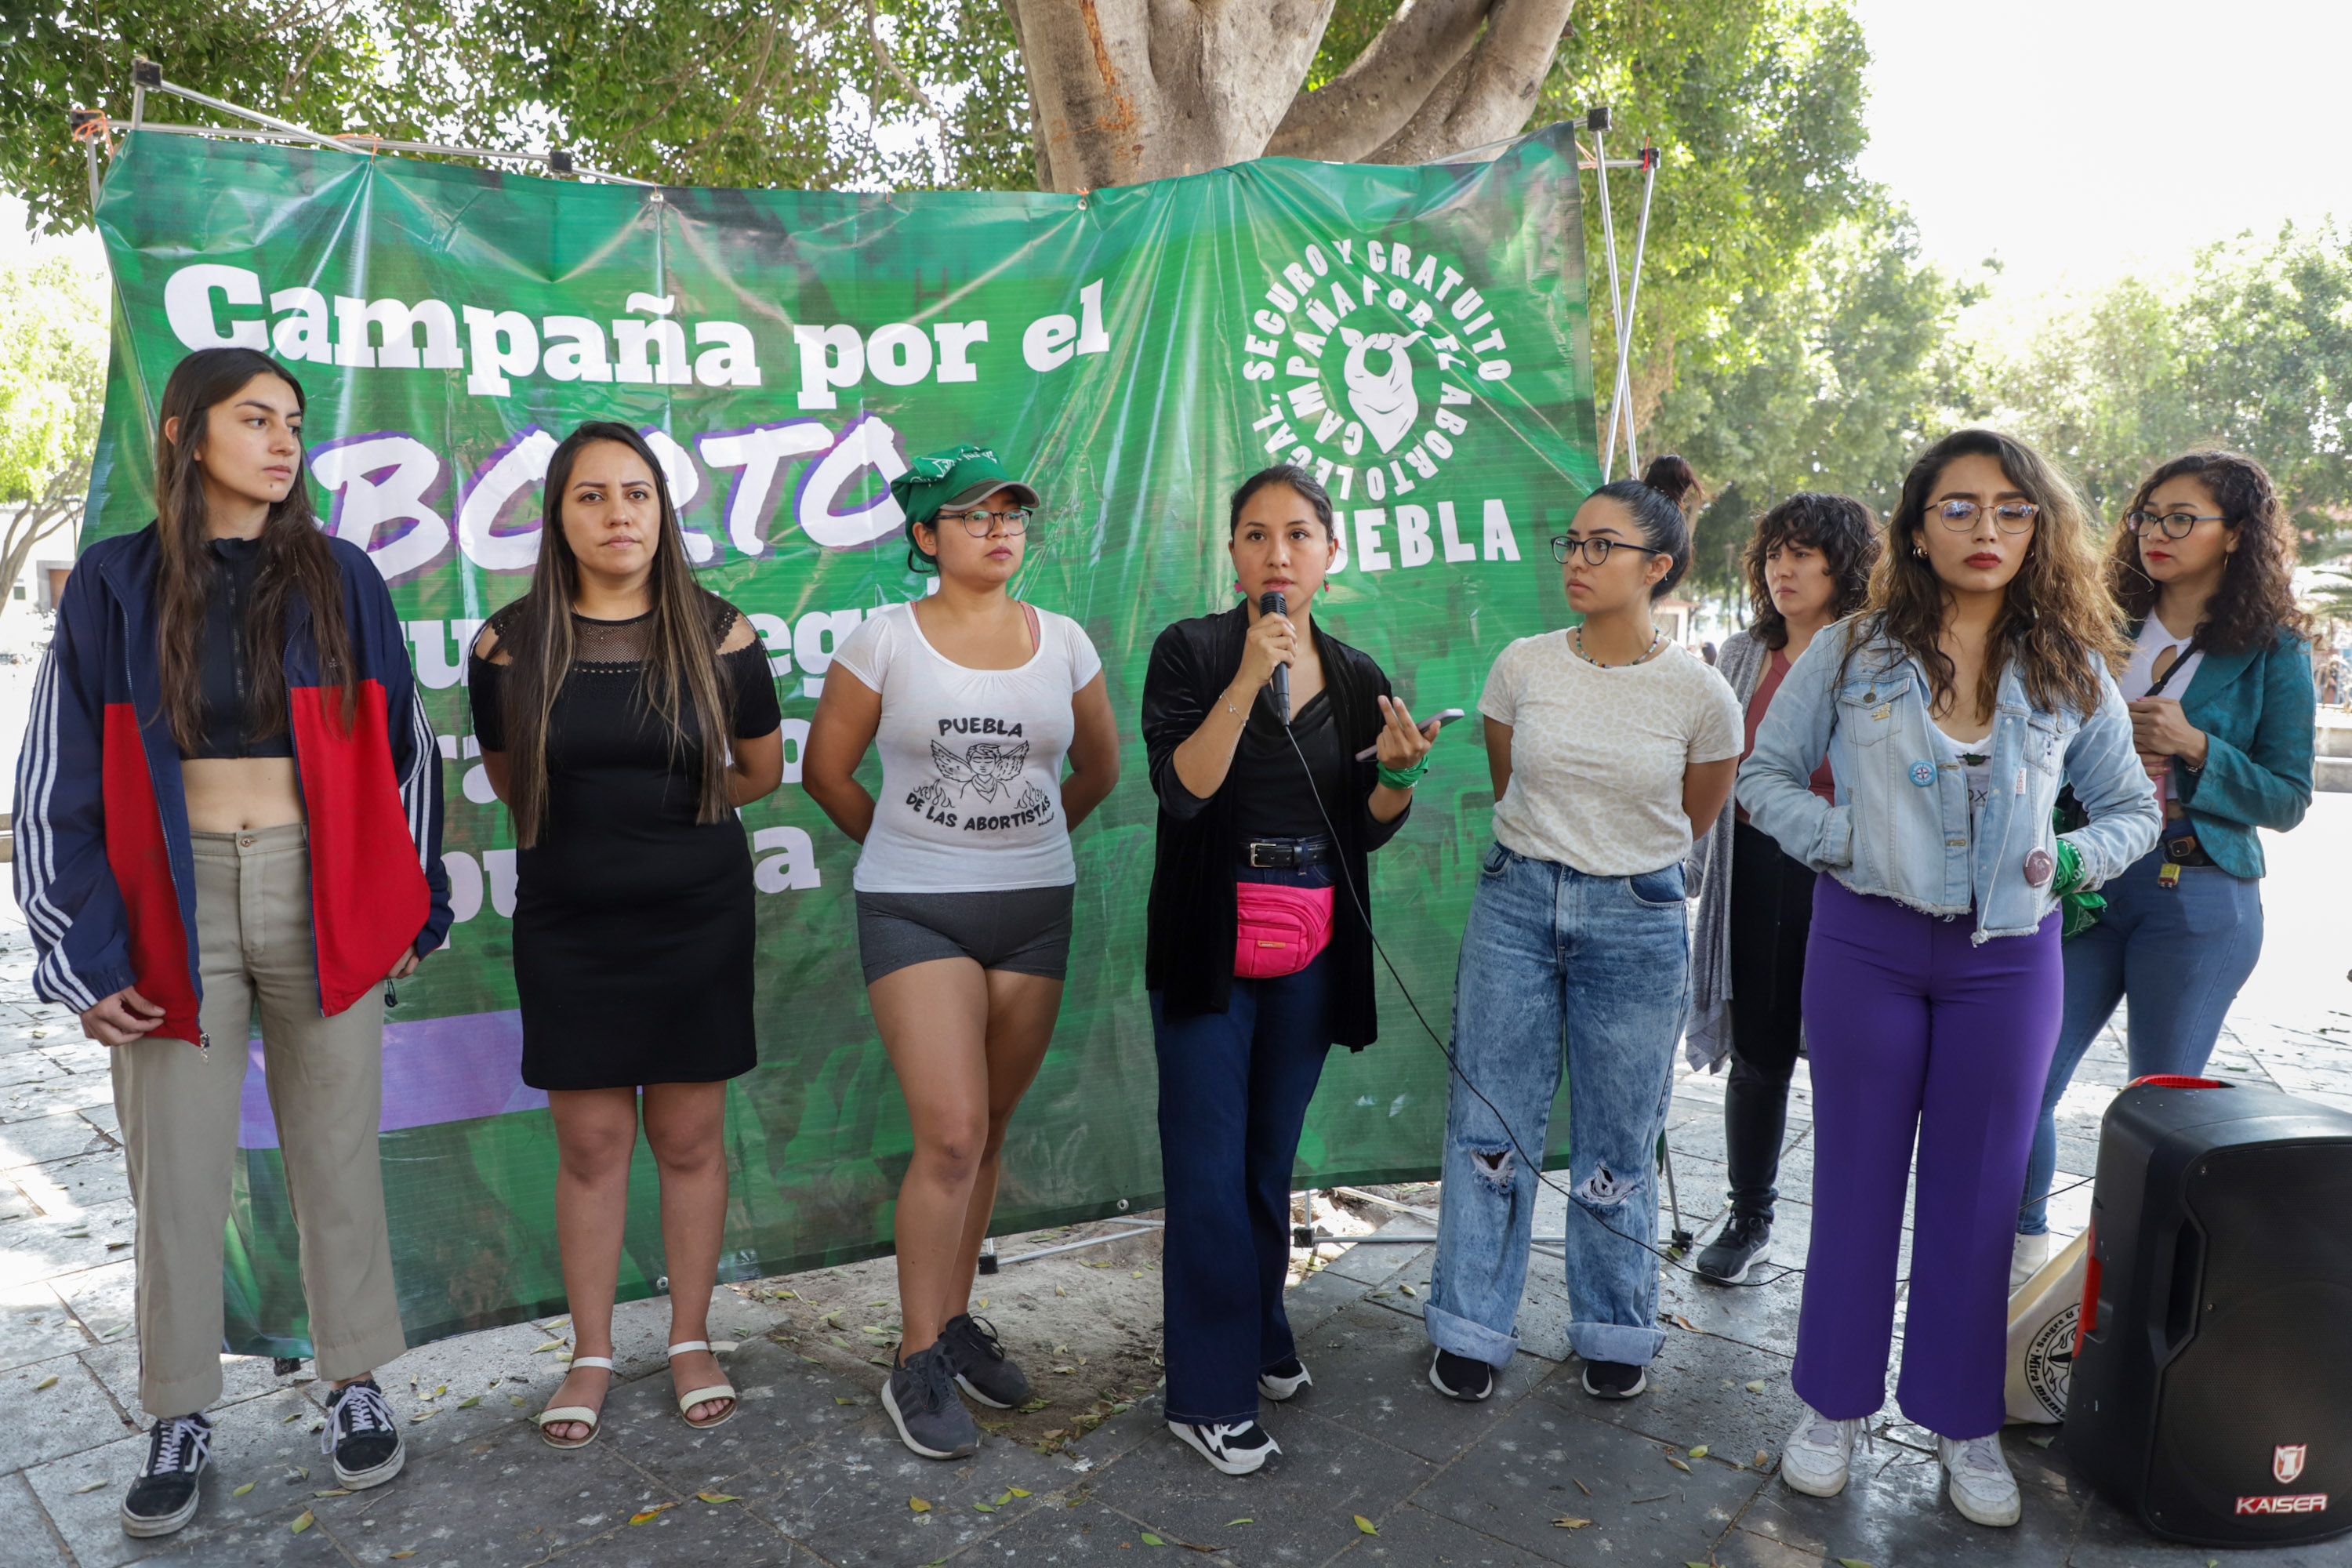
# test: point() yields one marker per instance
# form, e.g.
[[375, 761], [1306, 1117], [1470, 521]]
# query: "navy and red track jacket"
[[102, 864]]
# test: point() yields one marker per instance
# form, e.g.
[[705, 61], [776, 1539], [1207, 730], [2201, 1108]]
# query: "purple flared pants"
[[1914, 1031]]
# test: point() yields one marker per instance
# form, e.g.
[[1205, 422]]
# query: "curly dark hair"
[[2057, 622], [1843, 529], [2256, 603]]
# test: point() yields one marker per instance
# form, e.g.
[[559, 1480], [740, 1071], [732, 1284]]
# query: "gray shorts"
[[1023, 929]]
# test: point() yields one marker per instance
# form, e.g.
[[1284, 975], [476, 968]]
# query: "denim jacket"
[[1900, 827]]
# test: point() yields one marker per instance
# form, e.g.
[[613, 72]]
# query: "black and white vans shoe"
[[1614, 1379], [1282, 1379], [164, 1495], [1239, 1449], [362, 1435], [1459, 1377]]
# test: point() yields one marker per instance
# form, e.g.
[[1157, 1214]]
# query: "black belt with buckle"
[[1286, 853]]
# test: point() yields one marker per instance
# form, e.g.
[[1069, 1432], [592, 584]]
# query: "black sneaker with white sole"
[[1613, 1380], [1238, 1448], [362, 1435], [921, 1399], [1284, 1378], [1459, 1377], [164, 1495], [1745, 1241], [981, 1368]]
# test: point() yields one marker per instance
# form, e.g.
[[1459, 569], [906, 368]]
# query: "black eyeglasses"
[[1595, 550], [2172, 524], [1960, 516], [980, 524]]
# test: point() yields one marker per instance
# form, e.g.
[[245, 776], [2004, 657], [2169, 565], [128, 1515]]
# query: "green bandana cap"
[[959, 476]]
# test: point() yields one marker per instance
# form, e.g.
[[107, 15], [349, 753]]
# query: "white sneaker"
[[1813, 1460], [1982, 1487], [2026, 1259], [1238, 1448]]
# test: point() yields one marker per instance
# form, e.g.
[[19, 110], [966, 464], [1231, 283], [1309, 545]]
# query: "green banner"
[[1417, 336]]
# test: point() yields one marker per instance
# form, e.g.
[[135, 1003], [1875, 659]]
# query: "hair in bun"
[[1661, 500]]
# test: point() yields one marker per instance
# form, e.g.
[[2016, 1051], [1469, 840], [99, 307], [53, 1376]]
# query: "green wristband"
[[1405, 779]]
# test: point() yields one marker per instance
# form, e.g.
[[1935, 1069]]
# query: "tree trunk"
[[39, 519], [1127, 91]]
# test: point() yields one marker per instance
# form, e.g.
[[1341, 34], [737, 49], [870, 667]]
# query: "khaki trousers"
[[179, 1117]]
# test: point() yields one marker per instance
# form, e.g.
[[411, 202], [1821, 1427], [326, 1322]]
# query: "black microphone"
[[1271, 603]]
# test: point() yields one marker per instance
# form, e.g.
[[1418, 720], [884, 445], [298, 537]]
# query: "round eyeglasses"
[[1960, 516], [980, 524], [1595, 550], [2171, 524]]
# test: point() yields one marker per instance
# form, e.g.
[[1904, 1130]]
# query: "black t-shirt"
[[1271, 798]]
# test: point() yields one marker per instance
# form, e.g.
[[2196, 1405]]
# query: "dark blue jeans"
[[1233, 1087]]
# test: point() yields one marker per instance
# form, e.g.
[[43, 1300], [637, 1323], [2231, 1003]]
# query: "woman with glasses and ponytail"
[[2222, 706], [624, 715], [229, 800], [966, 888], [1973, 685], [1612, 748]]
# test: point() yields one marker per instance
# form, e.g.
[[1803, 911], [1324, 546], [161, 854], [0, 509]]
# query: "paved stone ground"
[[810, 1473]]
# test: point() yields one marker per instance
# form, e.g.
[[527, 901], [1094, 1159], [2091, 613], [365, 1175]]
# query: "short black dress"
[[633, 923]]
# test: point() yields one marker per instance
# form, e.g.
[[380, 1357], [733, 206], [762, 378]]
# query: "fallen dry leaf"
[[422, 1416], [49, 1381], [1150, 1539], [1756, 1387], [1230, 1522], [303, 1524], [838, 1399], [550, 1345], [919, 1505], [984, 1507], [1366, 1525], [398, 1555], [469, 1402], [1059, 1291], [1699, 1452], [718, 1497], [654, 1512], [333, 1492], [1582, 1487], [1762, 1459], [1677, 1464], [1012, 1491], [1570, 1522], [93, 1486]]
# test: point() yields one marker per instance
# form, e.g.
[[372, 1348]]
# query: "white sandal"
[[591, 1419], [692, 1397]]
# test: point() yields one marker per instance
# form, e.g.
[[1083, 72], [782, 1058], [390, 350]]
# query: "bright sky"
[[2079, 139]]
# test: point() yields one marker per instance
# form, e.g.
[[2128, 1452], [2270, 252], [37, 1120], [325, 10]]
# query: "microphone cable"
[[1453, 1066]]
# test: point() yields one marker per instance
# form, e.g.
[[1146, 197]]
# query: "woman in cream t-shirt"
[[1611, 747]]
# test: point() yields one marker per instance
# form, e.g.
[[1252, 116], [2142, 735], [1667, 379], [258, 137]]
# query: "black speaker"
[[2212, 1390]]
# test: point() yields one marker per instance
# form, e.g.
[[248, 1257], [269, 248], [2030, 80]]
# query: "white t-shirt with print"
[[972, 759], [1598, 756]]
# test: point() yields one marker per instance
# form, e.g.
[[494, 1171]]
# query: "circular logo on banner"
[[2049, 1361], [1366, 360]]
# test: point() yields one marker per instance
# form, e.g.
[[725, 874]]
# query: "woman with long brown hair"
[[2219, 683], [229, 798], [1950, 712], [624, 713]]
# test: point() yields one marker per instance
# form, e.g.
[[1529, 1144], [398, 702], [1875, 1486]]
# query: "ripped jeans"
[[1603, 964]]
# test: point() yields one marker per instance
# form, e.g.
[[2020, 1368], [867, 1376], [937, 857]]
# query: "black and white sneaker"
[[164, 1495], [1613, 1380], [1745, 1241], [921, 1399], [362, 1435], [1284, 1378], [1459, 1377], [981, 1368], [1238, 1448]]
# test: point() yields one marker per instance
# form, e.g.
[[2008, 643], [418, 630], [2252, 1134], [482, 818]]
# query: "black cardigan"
[[1189, 945]]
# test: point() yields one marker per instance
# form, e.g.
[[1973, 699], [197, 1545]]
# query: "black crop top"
[[223, 676]]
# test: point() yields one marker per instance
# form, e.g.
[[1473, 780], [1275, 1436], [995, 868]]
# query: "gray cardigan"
[[1740, 661]]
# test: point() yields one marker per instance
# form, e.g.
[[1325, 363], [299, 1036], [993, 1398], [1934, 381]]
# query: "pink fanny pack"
[[1279, 929]]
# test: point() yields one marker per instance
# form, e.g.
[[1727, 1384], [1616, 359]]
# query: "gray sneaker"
[[981, 1367], [921, 1399]]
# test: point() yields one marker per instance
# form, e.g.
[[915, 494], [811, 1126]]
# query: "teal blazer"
[[2258, 709]]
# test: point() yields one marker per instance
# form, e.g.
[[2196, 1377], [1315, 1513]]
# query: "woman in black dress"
[[624, 713]]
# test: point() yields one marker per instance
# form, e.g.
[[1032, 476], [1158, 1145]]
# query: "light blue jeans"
[[2180, 956], [1602, 963]]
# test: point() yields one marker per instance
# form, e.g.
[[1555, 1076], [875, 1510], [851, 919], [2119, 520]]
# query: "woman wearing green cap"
[[964, 888]]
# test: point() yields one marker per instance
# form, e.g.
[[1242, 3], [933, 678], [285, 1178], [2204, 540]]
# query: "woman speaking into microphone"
[[1255, 968]]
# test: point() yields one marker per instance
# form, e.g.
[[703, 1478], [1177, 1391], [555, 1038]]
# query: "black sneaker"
[[1284, 1378], [1239, 1449], [1613, 1380], [981, 1368], [164, 1495], [362, 1435], [1459, 1377], [1740, 1245], [921, 1399]]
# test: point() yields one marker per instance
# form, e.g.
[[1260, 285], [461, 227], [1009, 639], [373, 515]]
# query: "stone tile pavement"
[[809, 1473]]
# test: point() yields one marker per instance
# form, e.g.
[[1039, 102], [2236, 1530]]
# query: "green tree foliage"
[[2249, 347], [1831, 380], [52, 386]]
